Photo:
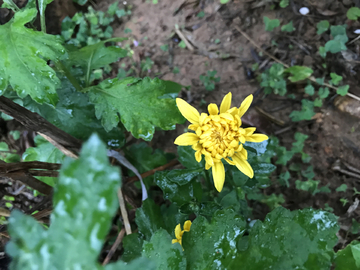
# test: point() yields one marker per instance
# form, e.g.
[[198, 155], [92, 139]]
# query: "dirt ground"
[[334, 132]]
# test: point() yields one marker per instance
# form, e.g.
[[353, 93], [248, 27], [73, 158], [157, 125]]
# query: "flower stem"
[[71, 78]]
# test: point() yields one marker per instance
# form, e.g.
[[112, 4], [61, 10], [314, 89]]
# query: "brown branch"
[[28, 180], [44, 173], [33, 121], [114, 246], [19, 166], [151, 172]]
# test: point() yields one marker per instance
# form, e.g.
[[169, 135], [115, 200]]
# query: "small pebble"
[[357, 31], [304, 11]]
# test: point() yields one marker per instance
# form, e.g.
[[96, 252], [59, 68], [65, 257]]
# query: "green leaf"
[[323, 92], [178, 185], [343, 90], [322, 51], [75, 114], [84, 202], [335, 46], [148, 218], [301, 239], [144, 158], [288, 27], [318, 102], [270, 24], [201, 14], [340, 38], [151, 100], [132, 244], [306, 113], [322, 27], [24, 53], [187, 158], [284, 3], [45, 152], [349, 257], [263, 168], [353, 13], [213, 245], [299, 73], [342, 188], [224, 1], [310, 90], [260, 147], [80, 2], [335, 79], [140, 263], [182, 44], [165, 254], [298, 145], [96, 56]]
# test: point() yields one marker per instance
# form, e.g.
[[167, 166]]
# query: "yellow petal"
[[229, 161], [226, 103], [243, 166], [178, 232], [218, 172], [249, 131], [213, 109], [198, 156], [242, 154], [196, 146], [187, 139], [193, 127], [174, 241], [245, 105], [207, 166], [202, 118], [227, 116], [209, 160], [187, 226], [257, 137], [188, 111]]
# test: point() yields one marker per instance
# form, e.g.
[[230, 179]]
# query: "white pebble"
[[304, 11], [357, 31]]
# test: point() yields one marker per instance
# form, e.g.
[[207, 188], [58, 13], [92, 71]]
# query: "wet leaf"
[[165, 254], [187, 158], [84, 201], [263, 168], [96, 56], [213, 245], [260, 147], [301, 239], [349, 257], [179, 186], [132, 244], [24, 53], [151, 100], [148, 218], [75, 114], [45, 152]]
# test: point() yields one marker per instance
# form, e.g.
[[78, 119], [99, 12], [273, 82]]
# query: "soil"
[[334, 132]]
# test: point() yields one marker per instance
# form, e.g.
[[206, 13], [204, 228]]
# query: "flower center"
[[220, 136]]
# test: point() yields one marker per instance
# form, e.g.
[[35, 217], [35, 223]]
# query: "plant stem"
[[12, 5], [42, 7]]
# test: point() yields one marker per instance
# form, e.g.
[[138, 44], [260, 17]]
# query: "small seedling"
[[210, 80]]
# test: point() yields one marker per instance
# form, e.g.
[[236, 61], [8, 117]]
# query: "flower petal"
[[187, 139], [174, 241], [207, 166], [193, 127], [188, 111], [198, 156], [218, 172], [178, 232], [202, 118], [257, 137], [229, 161], [213, 109], [243, 166], [226, 103], [209, 160], [187, 226], [249, 131], [245, 105]]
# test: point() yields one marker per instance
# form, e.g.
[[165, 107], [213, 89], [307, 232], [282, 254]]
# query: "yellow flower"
[[179, 233], [219, 136]]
